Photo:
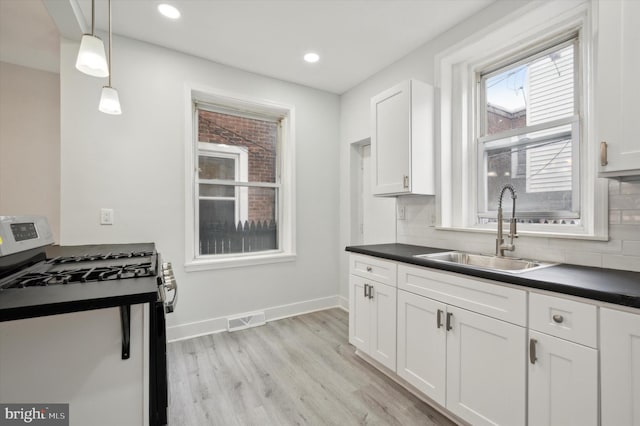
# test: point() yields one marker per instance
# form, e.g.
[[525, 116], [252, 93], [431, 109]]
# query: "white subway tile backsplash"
[[622, 251], [631, 248], [583, 258], [624, 232], [624, 202], [630, 187], [627, 263], [615, 217], [631, 216]]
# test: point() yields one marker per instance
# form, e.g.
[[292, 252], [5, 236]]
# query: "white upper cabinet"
[[402, 140], [618, 87]]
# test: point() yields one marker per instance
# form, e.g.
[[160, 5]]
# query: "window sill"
[[225, 262], [528, 233]]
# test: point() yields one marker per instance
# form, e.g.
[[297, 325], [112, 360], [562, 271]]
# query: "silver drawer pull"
[[532, 351], [558, 318], [369, 269]]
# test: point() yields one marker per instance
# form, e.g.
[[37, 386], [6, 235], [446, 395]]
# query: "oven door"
[[158, 384]]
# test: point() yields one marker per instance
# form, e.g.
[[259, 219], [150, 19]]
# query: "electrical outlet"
[[106, 216], [401, 213]]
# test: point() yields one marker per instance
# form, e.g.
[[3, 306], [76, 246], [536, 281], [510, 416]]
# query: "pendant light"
[[91, 59], [109, 100]]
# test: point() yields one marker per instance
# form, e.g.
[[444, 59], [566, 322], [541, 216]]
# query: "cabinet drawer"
[[475, 294], [567, 319], [372, 268]]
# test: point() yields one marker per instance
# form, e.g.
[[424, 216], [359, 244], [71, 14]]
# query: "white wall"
[[30, 143], [623, 249], [134, 163]]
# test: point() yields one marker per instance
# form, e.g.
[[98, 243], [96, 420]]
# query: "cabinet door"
[[359, 313], [485, 369], [391, 140], [620, 367], [383, 325], [563, 382], [422, 344], [618, 85]]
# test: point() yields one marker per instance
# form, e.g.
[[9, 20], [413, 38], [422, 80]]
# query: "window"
[[240, 202], [516, 102], [529, 135], [220, 206]]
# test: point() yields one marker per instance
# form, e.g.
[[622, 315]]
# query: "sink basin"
[[483, 261]]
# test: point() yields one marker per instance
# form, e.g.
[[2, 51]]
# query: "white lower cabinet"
[[372, 319], [620, 367], [563, 362], [563, 382], [422, 344], [472, 346], [485, 369], [470, 363]]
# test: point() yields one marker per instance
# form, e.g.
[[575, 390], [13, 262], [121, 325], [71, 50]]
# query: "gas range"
[[40, 279]]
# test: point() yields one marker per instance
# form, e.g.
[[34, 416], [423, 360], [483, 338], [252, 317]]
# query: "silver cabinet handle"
[[370, 292], [439, 318], [532, 351], [558, 318], [369, 269], [449, 316], [405, 181], [603, 154], [366, 290]]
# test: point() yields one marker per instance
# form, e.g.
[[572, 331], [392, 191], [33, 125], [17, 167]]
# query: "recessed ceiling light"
[[169, 11], [311, 57]]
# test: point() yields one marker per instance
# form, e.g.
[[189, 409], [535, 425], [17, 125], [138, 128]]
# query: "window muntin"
[[529, 135], [237, 183]]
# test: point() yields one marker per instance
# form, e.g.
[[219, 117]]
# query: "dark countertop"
[[606, 285], [20, 303]]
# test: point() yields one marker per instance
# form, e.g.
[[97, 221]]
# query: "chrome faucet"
[[500, 244]]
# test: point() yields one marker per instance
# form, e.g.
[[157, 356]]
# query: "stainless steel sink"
[[489, 262]]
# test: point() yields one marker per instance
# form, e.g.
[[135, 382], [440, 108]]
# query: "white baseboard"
[[343, 303], [217, 325]]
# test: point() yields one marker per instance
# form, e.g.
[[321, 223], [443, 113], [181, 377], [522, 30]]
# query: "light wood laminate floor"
[[295, 371]]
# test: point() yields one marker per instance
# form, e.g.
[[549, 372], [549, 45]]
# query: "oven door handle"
[[171, 286], [169, 283]]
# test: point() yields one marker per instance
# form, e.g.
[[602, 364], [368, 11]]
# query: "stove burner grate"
[[99, 256], [83, 275]]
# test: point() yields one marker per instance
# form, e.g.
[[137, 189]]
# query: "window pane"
[[256, 230], [216, 168], [258, 137], [226, 191], [539, 166], [538, 91]]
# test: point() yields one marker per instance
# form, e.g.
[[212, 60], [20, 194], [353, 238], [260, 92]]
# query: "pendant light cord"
[[109, 64], [93, 16]]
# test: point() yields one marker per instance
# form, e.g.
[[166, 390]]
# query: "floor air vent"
[[253, 319]]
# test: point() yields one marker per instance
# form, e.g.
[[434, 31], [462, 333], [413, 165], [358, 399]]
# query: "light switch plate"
[[106, 216]]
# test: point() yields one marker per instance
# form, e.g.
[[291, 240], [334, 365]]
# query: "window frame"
[[241, 163], [225, 102], [455, 75], [483, 139]]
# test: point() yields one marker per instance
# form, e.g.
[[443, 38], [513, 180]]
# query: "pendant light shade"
[[91, 57], [109, 101]]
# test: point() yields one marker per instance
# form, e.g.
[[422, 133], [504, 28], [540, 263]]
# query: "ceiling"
[[355, 38]]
